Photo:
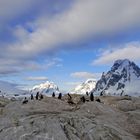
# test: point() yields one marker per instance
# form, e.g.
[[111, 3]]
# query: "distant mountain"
[[10, 90], [46, 88], [87, 86], [122, 79]]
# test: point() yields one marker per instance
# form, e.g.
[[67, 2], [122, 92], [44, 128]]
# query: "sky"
[[65, 41]]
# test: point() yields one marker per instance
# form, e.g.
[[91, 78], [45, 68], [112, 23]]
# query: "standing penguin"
[[37, 96], [53, 95], [32, 97], [41, 96], [87, 93], [91, 96], [60, 96]]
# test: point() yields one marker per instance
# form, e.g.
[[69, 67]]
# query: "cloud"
[[10, 10], [125, 51], [10, 88], [54, 62], [42, 78], [6, 71], [73, 84], [83, 19], [83, 75], [15, 66]]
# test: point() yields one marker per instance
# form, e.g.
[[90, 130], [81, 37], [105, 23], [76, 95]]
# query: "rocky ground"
[[116, 118]]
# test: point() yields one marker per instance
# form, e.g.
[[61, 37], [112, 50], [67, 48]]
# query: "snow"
[[87, 86], [129, 76], [122, 72], [10, 90], [124, 62], [46, 88]]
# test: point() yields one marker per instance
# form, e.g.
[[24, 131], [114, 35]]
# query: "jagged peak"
[[125, 63], [122, 62], [46, 85], [90, 81], [87, 86], [123, 76]]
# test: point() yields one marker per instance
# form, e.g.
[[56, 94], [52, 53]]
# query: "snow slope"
[[46, 88], [87, 86], [122, 79]]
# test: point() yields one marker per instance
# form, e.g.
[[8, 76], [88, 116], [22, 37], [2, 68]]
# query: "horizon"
[[66, 42], [23, 89]]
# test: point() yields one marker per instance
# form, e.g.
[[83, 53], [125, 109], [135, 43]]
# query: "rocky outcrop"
[[53, 119]]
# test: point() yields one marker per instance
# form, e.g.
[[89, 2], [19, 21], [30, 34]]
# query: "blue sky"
[[65, 41]]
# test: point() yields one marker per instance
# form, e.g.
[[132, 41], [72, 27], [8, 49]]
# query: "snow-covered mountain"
[[46, 88], [87, 86], [10, 90], [122, 79]]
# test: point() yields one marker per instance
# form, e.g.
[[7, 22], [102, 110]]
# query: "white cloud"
[[15, 66], [10, 88], [83, 19], [73, 84], [83, 75], [126, 51], [11, 9], [54, 62], [41, 78]]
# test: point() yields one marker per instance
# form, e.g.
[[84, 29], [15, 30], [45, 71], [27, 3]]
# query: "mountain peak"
[[125, 65], [91, 81], [87, 86], [121, 61], [124, 77], [46, 88]]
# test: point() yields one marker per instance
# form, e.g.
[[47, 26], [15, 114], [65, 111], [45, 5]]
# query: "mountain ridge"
[[46, 88], [86, 86], [122, 79]]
